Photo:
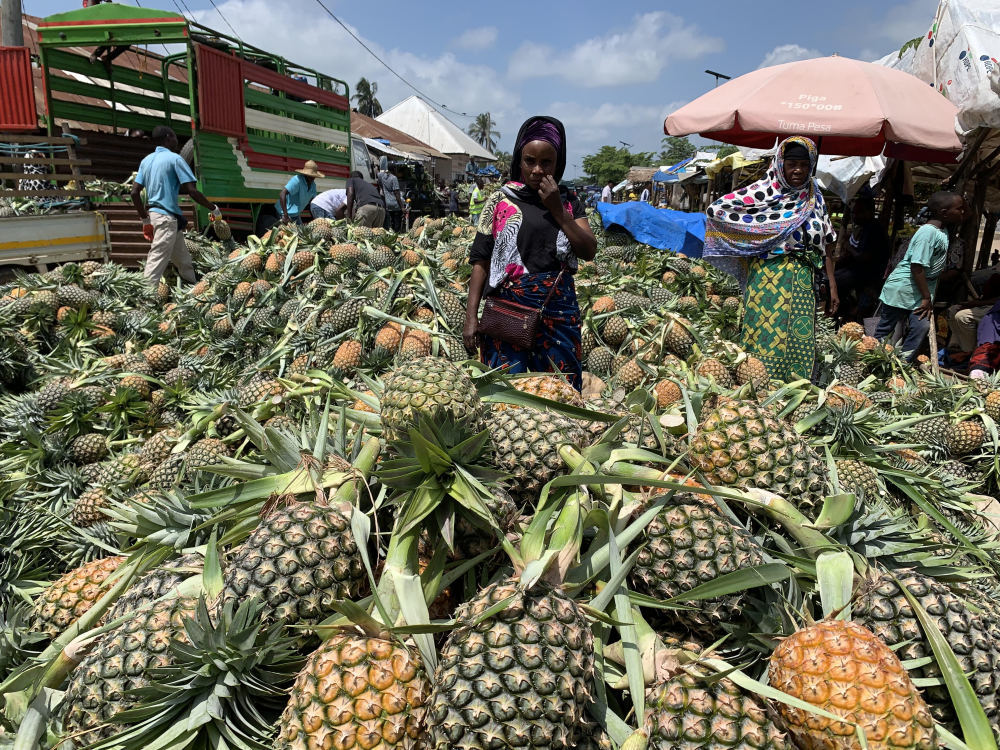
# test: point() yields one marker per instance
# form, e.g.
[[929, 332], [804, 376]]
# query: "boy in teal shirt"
[[908, 293]]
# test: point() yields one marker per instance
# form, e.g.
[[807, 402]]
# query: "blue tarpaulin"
[[661, 228], [672, 173]]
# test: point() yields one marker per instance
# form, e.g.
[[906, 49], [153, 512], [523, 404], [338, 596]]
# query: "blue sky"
[[610, 71]]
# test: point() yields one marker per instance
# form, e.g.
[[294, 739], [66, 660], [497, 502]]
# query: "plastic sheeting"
[[959, 57], [661, 228]]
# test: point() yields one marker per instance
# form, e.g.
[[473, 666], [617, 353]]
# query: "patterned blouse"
[[516, 229]]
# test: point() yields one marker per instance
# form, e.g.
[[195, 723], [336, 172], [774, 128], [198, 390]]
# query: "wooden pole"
[[10, 20], [932, 334]]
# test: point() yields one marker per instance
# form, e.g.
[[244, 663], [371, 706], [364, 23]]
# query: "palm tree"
[[364, 97], [483, 129]]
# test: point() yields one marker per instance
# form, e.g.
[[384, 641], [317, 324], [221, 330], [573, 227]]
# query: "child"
[[909, 291]]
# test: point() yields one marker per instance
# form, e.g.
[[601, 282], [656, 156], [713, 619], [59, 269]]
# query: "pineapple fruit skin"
[[740, 444], [689, 543], [843, 668], [363, 692], [521, 678], [973, 637], [429, 387], [299, 560], [685, 713], [67, 599], [121, 661]]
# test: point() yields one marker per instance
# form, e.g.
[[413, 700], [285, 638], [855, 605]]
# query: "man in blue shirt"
[[297, 193], [165, 175]]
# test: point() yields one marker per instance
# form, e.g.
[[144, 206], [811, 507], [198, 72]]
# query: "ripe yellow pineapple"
[[842, 668], [348, 356], [67, 599], [387, 339], [356, 691], [667, 393]]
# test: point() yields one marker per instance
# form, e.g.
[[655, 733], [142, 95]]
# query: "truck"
[[246, 118]]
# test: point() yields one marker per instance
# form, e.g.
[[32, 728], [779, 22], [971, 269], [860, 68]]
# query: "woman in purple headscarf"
[[528, 239]]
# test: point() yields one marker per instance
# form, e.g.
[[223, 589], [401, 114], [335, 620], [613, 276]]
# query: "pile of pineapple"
[[282, 509]]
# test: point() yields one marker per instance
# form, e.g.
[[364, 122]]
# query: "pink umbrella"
[[849, 107]]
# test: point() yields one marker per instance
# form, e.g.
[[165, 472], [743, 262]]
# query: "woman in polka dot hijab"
[[774, 234]]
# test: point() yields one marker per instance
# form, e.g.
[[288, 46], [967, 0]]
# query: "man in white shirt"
[[330, 204], [606, 193]]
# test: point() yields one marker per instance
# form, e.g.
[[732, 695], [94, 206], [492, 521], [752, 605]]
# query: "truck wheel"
[[187, 152]]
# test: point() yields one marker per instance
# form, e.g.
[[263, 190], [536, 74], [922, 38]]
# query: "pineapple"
[[520, 677], [67, 599], [853, 331], [222, 230], [841, 397], [415, 344], [966, 437], [321, 228], [600, 361], [844, 669], [429, 388], [303, 260], [933, 432], [689, 543], [345, 316], [547, 386], [974, 637], [275, 263], [87, 509], [206, 452], [677, 336], [743, 445], [99, 689], [712, 368], [859, 478], [452, 310], [752, 370], [356, 691], [387, 340], [251, 264], [348, 356], [629, 375], [162, 357], [992, 405], [157, 584], [615, 331], [88, 449], [667, 392], [299, 561], [526, 444], [687, 712], [602, 305]]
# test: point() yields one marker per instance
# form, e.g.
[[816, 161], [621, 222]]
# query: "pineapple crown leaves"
[[223, 687], [160, 520], [440, 461]]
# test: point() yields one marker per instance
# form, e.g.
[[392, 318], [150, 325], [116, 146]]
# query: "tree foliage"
[[675, 149], [722, 150], [503, 160], [484, 130], [365, 98], [613, 163]]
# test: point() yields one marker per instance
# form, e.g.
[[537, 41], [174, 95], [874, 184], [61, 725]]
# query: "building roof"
[[366, 127], [640, 174], [415, 116]]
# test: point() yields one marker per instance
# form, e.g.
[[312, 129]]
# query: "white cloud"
[[785, 53], [323, 45], [480, 38], [638, 54]]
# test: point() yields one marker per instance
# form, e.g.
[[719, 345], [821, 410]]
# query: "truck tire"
[[187, 152]]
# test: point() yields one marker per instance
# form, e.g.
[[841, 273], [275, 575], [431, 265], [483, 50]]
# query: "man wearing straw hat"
[[297, 193]]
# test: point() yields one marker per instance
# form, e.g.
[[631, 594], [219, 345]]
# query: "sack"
[[511, 322]]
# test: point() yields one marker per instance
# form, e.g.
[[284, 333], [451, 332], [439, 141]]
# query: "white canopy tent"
[[419, 119]]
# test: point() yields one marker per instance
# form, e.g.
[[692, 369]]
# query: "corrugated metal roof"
[[17, 106], [366, 127]]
